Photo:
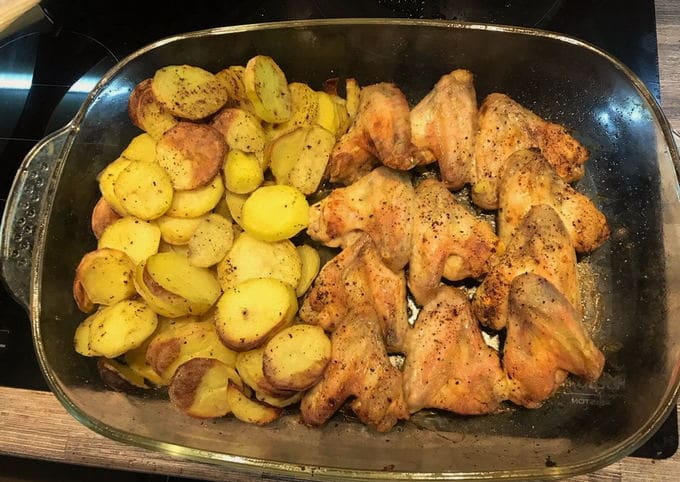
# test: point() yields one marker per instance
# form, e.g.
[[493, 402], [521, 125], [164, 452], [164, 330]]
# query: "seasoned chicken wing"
[[359, 367], [357, 278], [448, 241], [381, 129], [380, 204], [445, 123], [546, 341], [529, 180], [448, 365], [506, 127], [540, 245]]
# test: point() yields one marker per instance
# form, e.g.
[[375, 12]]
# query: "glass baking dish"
[[633, 308]]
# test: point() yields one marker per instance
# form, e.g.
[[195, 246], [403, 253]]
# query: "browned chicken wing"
[[546, 341], [445, 123], [448, 241], [506, 127], [380, 204], [357, 278], [448, 365], [359, 368], [381, 130], [529, 180], [540, 245]]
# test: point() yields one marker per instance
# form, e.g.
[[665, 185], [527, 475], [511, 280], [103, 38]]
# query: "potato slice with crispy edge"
[[147, 113], [232, 79], [181, 340], [241, 130], [81, 337], [267, 88], [211, 241], [308, 171], [141, 148], [119, 377], [304, 111], [197, 202], [273, 213], [310, 266], [144, 190], [249, 367], [284, 152], [136, 238], [235, 204], [242, 172], [106, 276], [296, 357], [251, 258], [279, 402], [121, 327], [159, 299], [199, 387], [192, 154], [178, 231], [173, 273], [248, 410], [103, 215], [136, 359], [188, 91], [248, 314], [107, 181]]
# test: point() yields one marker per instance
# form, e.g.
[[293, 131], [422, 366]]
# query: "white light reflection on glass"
[[84, 85], [13, 81]]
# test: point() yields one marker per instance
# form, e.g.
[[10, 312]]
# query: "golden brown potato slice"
[[174, 274], [118, 376], [180, 341], [178, 231], [232, 79], [309, 268], [267, 88], [192, 154], [296, 357], [196, 202], [242, 172], [82, 299], [103, 215], [235, 204], [211, 241], [199, 387], [81, 338], [141, 148], [253, 311], [107, 181], [248, 410], [251, 258], [241, 130], [181, 249], [136, 238], [136, 360], [147, 113], [308, 171], [274, 213], [249, 367], [188, 91], [121, 327], [159, 299], [144, 190], [105, 275], [279, 402], [284, 152], [327, 115], [305, 107]]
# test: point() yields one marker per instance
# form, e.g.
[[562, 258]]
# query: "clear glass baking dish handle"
[[23, 214]]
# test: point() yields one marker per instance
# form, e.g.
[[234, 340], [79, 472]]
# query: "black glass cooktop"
[[48, 66]]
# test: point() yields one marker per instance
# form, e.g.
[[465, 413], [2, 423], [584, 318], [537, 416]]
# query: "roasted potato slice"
[[251, 258], [235, 204], [249, 367], [174, 274], [248, 410], [182, 340], [199, 387], [144, 190], [103, 215], [81, 338], [192, 154], [305, 107], [196, 202], [178, 231], [136, 238], [189, 92], [136, 361], [158, 298], [296, 357], [267, 89], [310, 266], [147, 113], [279, 402], [141, 148], [121, 327], [106, 277], [242, 172], [107, 182], [284, 152], [327, 115], [241, 130], [118, 376], [248, 314], [274, 213], [181, 249], [232, 79], [308, 171], [211, 241]]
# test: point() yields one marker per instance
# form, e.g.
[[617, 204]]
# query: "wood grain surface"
[[33, 424]]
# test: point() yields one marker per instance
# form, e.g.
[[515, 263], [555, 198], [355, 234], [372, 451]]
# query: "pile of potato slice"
[[195, 282]]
